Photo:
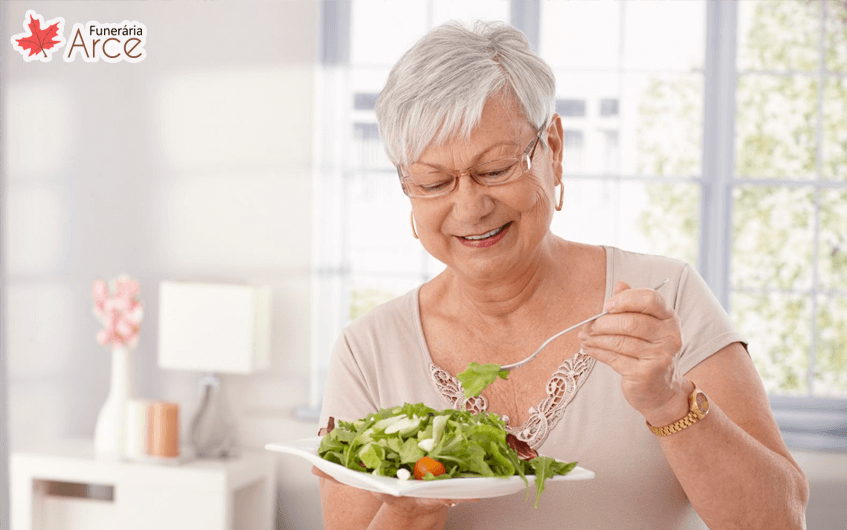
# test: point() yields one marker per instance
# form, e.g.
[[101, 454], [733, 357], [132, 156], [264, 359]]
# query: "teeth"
[[483, 236]]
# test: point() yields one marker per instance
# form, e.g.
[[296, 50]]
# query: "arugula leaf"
[[478, 376], [545, 467]]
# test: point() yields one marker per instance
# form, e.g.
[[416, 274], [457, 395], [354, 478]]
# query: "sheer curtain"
[[4, 436], [4, 453]]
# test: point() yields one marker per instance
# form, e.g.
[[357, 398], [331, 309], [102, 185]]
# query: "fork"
[[510, 367]]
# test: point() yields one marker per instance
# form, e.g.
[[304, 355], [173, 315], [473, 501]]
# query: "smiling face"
[[489, 232]]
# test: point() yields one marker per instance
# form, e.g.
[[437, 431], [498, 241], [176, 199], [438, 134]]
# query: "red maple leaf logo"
[[39, 40]]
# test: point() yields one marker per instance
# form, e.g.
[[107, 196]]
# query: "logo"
[[40, 39], [111, 42], [91, 41]]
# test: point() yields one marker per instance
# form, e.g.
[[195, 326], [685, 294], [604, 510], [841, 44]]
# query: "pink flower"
[[118, 309]]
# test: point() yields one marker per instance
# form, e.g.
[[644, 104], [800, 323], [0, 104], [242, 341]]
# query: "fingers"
[[636, 325], [418, 505], [621, 286], [449, 503], [628, 345], [317, 472], [646, 301], [620, 363]]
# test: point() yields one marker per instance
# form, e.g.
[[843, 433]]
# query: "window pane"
[[570, 108], [836, 37], [835, 129], [580, 35], [644, 217], [368, 291], [831, 347], [832, 252], [775, 127], [378, 232], [778, 36], [773, 234], [664, 35], [367, 151], [365, 100], [382, 31], [663, 125], [579, 101], [634, 124], [776, 327], [573, 146], [469, 11]]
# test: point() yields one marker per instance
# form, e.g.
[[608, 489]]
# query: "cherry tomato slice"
[[428, 465]]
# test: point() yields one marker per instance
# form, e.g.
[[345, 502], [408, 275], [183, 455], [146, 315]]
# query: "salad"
[[414, 440]]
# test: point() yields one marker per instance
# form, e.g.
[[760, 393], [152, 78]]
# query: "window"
[[570, 108], [789, 272], [713, 132]]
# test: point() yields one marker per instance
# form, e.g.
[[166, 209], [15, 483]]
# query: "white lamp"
[[214, 328]]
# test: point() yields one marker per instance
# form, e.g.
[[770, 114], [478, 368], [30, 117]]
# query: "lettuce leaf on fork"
[[478, 376]]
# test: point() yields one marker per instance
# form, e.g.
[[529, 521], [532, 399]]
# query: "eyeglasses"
[[494, 173]]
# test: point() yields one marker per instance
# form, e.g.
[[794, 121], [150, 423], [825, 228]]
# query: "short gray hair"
[[438, 89]]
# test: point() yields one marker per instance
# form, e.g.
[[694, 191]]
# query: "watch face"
[[702, 402]]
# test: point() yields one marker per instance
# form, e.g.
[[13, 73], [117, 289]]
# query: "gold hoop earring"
[[412, 218], [561, 196]]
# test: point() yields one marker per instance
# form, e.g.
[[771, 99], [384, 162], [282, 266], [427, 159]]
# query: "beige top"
[[382, 360]]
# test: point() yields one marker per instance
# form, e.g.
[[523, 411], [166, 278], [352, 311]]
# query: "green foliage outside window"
[[773, 248]]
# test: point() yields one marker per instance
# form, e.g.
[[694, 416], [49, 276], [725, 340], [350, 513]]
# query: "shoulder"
[[397, 310], [628, 260], [644, 270], [391, 324]]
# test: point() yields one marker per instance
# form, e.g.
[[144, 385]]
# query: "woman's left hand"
[[640, 338]]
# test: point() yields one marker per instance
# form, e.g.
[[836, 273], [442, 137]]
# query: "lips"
[[486, 235], [487, 239]]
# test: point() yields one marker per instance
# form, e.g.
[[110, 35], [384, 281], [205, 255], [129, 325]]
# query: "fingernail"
[[610, 303]]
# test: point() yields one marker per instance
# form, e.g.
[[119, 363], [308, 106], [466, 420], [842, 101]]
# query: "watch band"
[[689, 420], [693, 416]]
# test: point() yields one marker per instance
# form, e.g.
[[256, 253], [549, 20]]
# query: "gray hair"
[[438, 89]]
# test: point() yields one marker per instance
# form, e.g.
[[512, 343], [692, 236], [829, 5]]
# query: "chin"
[[489, 268]]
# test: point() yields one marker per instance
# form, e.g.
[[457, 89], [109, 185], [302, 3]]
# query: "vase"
[[109, 431], [212, 432]]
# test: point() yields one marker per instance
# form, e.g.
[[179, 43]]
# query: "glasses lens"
[[497, 172], [429, 184]]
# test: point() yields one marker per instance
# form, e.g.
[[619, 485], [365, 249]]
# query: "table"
[[64, 485]]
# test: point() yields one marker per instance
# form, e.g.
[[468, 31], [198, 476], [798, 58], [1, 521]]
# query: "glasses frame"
[[525, 157]]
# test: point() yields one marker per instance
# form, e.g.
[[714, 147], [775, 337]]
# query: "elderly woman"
[[673, 419]]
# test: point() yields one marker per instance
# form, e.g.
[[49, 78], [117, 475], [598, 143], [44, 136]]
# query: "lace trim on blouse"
[[561, 389]]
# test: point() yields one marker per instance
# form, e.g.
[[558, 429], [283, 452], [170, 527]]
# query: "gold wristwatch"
[[698, 406]]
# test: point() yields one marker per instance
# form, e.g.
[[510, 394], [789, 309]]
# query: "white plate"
[[454, 488]]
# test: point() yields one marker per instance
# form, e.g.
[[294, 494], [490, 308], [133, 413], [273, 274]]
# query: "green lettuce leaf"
[[478, 376]]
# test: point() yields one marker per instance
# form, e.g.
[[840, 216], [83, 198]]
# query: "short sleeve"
[[706, 327], [346, 395]]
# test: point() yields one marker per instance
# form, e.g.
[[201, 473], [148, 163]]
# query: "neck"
[[517, 291]]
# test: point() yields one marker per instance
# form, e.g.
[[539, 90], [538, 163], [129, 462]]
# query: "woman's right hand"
[[393, 512]]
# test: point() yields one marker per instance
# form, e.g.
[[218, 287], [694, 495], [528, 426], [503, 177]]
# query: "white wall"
[[193, 164]]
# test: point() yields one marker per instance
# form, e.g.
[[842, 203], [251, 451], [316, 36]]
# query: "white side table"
[[234, 493]]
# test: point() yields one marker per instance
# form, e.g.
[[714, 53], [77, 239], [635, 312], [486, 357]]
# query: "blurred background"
[[244, 148]]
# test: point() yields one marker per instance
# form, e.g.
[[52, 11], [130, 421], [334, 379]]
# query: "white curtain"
[[4, 436]]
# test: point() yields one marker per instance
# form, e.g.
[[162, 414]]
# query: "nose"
[[471, 201]]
